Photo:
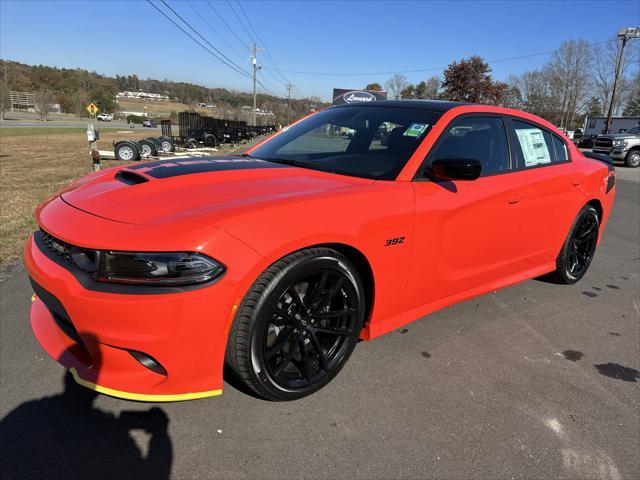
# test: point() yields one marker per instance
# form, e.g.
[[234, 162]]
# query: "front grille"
[[603, 142], [57, 246], [82, 258]]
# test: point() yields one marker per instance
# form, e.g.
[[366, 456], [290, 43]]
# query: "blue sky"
[[125, 37]]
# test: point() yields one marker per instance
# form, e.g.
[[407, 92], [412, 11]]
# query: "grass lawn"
[[35, 163]]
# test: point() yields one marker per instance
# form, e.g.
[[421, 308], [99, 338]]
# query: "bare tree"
[[604, 68], [395, 85], [570, 76], [78, 101], [5, 95], [43, 100]]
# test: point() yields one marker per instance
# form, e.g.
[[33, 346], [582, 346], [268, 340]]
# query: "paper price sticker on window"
[[415, 129], [534, 147]]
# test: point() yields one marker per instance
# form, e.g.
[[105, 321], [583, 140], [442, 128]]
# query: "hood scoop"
[[130, 178]]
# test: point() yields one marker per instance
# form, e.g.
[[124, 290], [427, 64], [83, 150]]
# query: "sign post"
[[93, 135]]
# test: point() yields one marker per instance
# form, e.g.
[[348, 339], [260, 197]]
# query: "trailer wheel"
[[192, 143], [147, 148], [126, 151], [156, 141], [167, 144], [210, 140]]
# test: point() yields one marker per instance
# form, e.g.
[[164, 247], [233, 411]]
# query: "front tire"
[[579, 247], [633, 159], [298, 324]]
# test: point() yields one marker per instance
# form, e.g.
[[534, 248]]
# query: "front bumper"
[[184, 332], [615, 153]]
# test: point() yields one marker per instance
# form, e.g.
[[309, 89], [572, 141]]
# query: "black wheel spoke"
[[296, 300], [317, 291], [281, 341], [326, 301], [306, 361], [343, 332], [347, 312], [318, 349], [290, 319], [286, 360]]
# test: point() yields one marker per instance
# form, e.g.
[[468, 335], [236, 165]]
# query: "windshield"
[[367, 142], [634, 130]]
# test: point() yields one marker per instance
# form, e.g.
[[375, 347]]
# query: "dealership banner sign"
[[343, 95]]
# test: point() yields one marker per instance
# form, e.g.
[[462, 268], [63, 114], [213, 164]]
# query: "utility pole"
[[256, 67], [289, 87], [625, 34]]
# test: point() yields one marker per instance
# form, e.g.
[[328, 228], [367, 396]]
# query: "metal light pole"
[[289, 87], [256, 67], [625, 34]]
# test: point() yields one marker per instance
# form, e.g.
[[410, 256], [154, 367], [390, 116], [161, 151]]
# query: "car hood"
[[168, 189], [620, 136]]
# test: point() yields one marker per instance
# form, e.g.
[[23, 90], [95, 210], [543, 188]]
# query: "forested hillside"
[[74, 88]]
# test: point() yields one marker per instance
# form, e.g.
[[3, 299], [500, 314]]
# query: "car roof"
[[430, 105]]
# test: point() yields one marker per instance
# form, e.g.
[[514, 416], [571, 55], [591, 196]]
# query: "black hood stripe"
[[174, 168]]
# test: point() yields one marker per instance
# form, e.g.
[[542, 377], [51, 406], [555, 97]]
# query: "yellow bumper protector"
[[141, 397]]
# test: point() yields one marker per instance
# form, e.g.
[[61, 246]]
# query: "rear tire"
[[147, 148], [633, 159], [579, 247], [298, 324], [167, 144], [126, 151], [192, 143]]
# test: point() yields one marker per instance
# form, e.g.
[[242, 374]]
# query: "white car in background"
[[105, 117]]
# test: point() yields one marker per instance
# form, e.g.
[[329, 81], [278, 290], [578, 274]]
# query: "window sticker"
[[415, 129], [534, 147]]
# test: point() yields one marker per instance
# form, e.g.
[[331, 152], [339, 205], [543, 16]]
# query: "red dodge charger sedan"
[[352, 222]]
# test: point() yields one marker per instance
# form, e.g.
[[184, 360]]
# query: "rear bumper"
[[184, 332]]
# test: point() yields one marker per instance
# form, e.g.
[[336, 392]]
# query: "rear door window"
[[536, 146]]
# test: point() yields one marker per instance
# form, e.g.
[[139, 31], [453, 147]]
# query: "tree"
[[469, 80], [604, 68], [632, 106], [5, 96], [570, 71], [594, 107], [408, 92], [43, 100], [374, 86], [395, 85]]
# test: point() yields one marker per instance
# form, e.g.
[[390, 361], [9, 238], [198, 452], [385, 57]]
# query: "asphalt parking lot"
[[534, 381]]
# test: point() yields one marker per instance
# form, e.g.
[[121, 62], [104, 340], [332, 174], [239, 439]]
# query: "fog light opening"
[[149, 362]]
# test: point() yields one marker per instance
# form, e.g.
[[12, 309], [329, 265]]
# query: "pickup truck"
[[620, 146]]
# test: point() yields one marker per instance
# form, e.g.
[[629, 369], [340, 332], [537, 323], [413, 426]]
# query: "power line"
[[225, 23], [196, 40], [214, 30], [240, 22], [431, 69], [233, 64], [270, 59]]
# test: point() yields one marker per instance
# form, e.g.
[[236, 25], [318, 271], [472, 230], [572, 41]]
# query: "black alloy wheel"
[[583, 245], [311, 328], [579, 247], [297, 326]]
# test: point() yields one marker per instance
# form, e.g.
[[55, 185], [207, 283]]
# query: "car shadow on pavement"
[[66, 436]]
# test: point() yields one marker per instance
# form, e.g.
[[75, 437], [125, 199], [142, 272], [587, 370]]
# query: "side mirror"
[[454, 169]]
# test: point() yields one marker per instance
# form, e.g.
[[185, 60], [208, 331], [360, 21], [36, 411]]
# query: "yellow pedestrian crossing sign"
[[92, 108]]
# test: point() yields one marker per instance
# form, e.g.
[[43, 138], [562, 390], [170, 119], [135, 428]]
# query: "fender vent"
[[130, 178]]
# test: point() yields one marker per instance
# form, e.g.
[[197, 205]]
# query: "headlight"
[[151, 268], [620, 143]]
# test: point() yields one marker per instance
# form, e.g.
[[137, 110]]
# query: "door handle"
[[514, 199]]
